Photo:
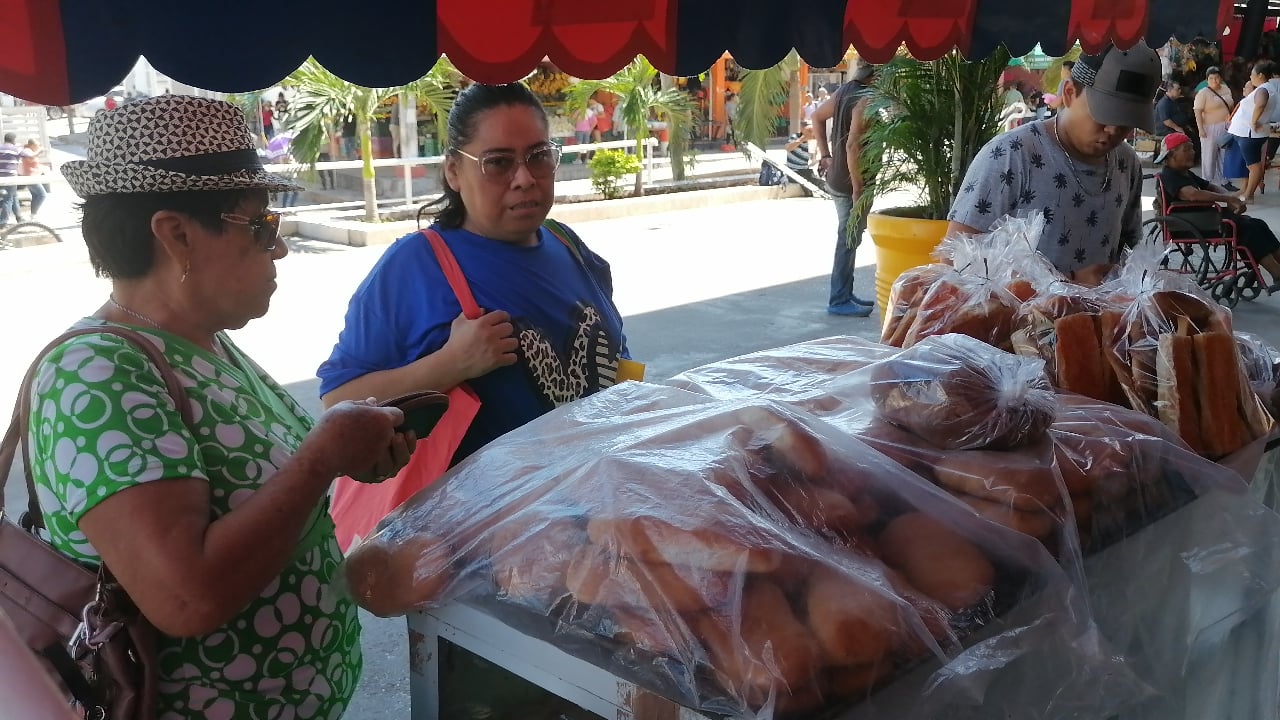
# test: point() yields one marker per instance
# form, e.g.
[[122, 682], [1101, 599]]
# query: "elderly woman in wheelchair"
[[1225, 248]]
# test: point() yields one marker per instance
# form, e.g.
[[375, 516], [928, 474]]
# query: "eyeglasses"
[[501, 166], [265, 227]]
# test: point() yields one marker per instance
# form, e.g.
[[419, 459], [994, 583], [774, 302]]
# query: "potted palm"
[[926, 123]]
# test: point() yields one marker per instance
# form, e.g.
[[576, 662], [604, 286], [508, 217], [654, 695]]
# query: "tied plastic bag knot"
[[960, 394]]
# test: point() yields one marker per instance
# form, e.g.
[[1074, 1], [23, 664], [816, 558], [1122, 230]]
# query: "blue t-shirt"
[[569, 330]]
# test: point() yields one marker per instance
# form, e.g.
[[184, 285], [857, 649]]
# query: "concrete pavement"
[[695, 286]]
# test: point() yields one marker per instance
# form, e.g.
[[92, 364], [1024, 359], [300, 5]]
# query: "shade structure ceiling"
[[57, 52]]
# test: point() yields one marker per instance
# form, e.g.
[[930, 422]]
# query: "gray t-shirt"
[[1087, 221]]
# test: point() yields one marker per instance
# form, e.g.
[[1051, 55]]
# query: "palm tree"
[[635, 86], [324, 99], [761, 94], [927, 122]]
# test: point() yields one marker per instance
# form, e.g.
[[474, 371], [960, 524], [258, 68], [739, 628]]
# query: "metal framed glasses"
[[501, 166], [265, 227]]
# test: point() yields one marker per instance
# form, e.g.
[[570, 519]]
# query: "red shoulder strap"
[[453, 273]]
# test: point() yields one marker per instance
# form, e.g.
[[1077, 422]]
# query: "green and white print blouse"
[[102, 421]]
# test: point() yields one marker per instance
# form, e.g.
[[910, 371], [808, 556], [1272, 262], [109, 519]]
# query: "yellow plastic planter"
[[901, 244]]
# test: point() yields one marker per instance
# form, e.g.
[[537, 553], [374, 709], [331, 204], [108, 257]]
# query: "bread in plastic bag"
[[961, 394], [1068, 327], [1173, 351], [686, 557]]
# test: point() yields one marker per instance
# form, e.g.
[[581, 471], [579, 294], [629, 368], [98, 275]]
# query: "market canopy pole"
[[1255, 17]]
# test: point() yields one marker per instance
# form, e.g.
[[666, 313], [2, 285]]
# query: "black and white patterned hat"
[[171, 143]]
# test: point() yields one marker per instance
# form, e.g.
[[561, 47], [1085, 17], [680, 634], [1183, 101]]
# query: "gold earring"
[[185, 272]]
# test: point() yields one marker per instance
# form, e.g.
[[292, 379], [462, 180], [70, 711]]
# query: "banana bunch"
[[548, 84]]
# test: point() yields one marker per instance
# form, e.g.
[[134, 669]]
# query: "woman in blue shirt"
[[549, 332]]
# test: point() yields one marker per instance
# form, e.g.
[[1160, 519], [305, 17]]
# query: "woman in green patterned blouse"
[[218, 530]]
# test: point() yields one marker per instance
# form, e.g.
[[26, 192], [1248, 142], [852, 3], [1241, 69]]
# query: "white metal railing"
[[407, 165]]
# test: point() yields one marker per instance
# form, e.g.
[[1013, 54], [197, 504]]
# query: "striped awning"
[[57, 52]]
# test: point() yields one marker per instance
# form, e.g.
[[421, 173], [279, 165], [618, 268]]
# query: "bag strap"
[[18, 425], [565, 235], [453, 273]]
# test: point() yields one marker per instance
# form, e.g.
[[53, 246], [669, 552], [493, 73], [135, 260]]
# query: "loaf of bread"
[[965, 305], [1020, 480], [712, 546], [937, 560], [389, 577], [961, 394], [1218, 365], [1179, 405], [855, 623]]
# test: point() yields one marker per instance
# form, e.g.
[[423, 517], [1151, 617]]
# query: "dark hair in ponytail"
[[476, 99]]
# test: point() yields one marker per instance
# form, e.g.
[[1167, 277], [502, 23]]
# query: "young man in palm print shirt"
[[1075, 169]]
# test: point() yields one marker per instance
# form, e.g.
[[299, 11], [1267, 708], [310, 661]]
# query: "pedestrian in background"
[[1213, 106], [10, 163], [30, 158], [833, 165]]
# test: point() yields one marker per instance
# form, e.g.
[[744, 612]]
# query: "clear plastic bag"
[[745, 560], [960, 394], [1181, 567], [1172, 350], [1262, 368], [1068, 326], [976, 290]]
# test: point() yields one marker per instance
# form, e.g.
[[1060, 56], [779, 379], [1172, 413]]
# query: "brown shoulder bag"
[[78, 621]]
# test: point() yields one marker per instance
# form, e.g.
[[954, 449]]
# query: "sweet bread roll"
[[763, 647], [822, 510], [853, 621], [530, 554], [1037, 524], [599, 576], [937, 560], [390, 577], [641, 628], [901, 446], [791, 444], [1014, 479], [1022, 289], [712, 546], [961, 394]]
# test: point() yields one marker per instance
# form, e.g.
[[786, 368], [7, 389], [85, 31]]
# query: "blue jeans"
[[846, 252], [38, 193], [8, 204], [288, 198]]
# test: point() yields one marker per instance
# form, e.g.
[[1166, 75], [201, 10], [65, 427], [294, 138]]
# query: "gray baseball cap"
[[1121, 85]]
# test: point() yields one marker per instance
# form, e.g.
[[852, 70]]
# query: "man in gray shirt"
[[1075, 169]]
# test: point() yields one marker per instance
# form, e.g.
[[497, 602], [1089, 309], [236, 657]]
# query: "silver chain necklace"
[[217, 346], [137, 315], [1106, 178]]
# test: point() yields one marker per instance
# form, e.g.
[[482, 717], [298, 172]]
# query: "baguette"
[[1177, 379], [1221, 425]]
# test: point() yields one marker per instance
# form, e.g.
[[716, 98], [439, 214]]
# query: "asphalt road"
[[694, 286]]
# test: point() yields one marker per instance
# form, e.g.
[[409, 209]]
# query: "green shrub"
[[608, 168]]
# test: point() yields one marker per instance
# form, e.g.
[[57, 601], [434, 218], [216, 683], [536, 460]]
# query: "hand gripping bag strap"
[[17, 432], [357, 507]]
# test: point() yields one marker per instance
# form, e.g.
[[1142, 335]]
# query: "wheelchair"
[[1202, 242]]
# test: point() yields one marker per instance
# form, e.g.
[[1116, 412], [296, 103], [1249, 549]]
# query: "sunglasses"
[[265, 227], [501, 166]]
